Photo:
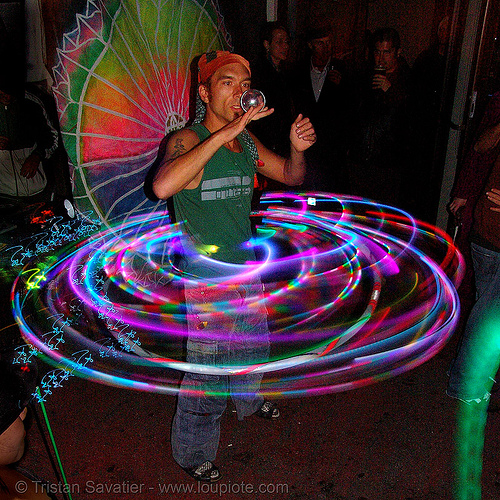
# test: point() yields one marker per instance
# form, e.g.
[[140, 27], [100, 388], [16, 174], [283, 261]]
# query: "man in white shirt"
[[320, 93], [321, 63]]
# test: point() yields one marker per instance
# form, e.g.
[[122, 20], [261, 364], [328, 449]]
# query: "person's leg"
[[478, 356], [249, 346], [196, 424], [471, 376], [472, 387], [469, 444]]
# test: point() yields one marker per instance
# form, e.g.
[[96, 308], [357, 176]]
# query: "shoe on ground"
[[207, 472], [268, 410]]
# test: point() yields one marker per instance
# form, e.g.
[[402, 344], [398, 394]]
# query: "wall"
[[244, 20], [414, 19]]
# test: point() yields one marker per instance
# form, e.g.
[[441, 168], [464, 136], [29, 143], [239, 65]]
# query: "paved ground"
[[389, 441]]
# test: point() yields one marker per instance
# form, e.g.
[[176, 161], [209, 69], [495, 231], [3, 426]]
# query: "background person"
[[26, 138], [475, 366], [16, 389], [270, 76], [378, 156], [322, 93]]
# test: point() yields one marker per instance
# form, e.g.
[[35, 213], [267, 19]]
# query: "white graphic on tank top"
[[225, 187]]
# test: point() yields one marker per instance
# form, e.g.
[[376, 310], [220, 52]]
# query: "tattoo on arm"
[[179, 149]]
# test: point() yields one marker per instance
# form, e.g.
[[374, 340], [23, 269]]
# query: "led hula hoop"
[[355, 293]]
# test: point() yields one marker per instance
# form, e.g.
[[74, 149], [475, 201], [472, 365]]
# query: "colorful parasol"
[[122, 83]]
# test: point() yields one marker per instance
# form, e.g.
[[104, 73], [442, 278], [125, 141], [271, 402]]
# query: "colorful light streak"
[[31, 247], [355, 293]]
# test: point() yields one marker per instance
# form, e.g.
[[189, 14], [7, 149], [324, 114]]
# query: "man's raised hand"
[[302, 134]]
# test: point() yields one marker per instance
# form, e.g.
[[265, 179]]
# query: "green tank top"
[[216, 214]]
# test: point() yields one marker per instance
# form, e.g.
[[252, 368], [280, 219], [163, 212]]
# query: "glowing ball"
[[252, 98]]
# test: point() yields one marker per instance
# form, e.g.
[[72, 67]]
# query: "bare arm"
[[289, 171], [488, 139], [183, 163], [186, 156]]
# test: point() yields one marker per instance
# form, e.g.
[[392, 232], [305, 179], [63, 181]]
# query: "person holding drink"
[[378, 154]]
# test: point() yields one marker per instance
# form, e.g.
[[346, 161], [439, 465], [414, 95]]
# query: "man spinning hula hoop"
[[209, 169]]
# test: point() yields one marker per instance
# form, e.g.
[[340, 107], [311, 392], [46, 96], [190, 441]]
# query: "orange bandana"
[[210, 62]]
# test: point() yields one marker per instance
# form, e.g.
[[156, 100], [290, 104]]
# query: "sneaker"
[[268, 410], [206, 472]]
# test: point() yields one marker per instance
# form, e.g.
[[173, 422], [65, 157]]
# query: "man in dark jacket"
[[378, 154], [321, 93]]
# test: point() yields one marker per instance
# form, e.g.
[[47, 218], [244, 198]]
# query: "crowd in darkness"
[[376, 122], [377, 129]]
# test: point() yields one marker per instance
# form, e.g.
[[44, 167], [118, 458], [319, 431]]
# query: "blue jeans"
[[234, 334], [478, 358]]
